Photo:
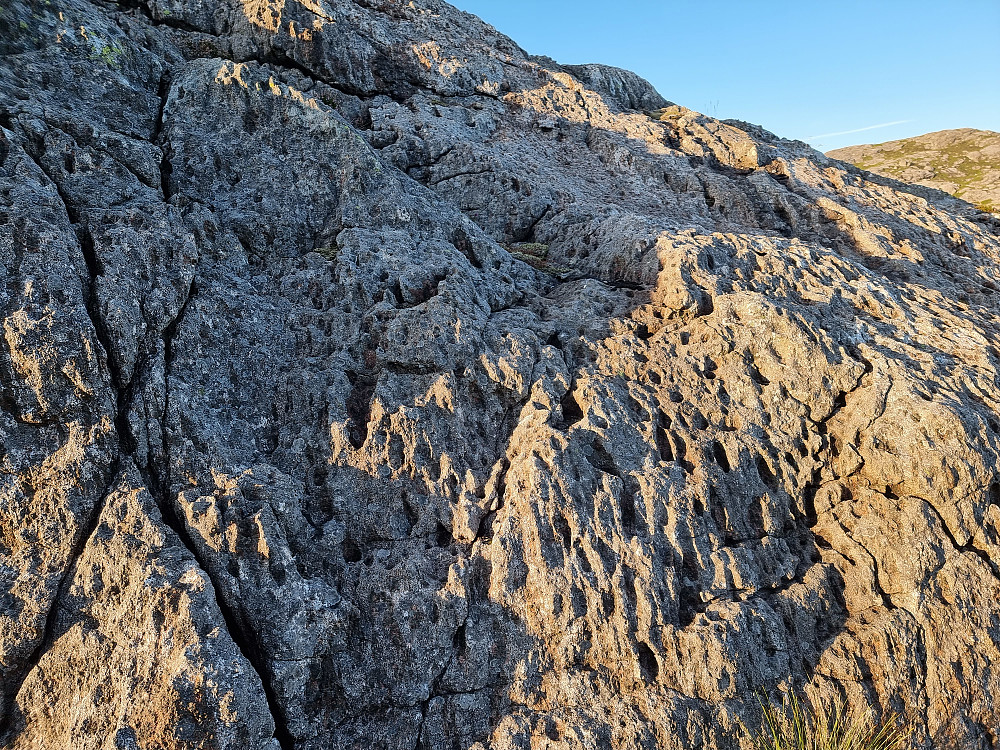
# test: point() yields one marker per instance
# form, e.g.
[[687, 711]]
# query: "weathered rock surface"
[[964, 163], [140, 655], [369, 383]]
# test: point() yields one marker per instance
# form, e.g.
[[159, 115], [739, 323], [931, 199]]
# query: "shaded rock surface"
[[964, 163], [369, 383]]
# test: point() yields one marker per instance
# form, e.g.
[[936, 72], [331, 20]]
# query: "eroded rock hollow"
[[366, 382]]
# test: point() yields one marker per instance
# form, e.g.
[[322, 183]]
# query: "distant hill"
[[965, 163]]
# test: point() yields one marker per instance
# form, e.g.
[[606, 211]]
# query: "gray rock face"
[[138, 646], [368, 383], [622, 87]]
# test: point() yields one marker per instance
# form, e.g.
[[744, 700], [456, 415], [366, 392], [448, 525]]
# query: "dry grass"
[[792, 726]]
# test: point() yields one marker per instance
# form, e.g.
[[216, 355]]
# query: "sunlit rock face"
[[368, 383]]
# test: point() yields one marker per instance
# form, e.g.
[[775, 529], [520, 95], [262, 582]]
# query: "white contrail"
[[859, 130]]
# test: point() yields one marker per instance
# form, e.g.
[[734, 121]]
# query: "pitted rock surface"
[[368, 383]]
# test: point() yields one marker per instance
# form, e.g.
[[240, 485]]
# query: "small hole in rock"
[[721, 457], [442, 536], [352, 553], [766, 475], [648, 664]]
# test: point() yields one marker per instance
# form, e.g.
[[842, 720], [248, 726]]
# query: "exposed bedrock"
[[366, 382]]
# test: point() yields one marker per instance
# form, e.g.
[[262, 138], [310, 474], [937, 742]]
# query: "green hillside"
[[965, 163]]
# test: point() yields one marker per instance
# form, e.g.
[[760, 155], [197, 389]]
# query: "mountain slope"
[[965, 163], [366, 382]]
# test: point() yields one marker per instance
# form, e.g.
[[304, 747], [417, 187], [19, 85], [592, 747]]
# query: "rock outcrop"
[[366, 382], [964, 163]]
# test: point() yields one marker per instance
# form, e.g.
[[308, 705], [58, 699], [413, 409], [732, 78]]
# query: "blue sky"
[[805, 69]]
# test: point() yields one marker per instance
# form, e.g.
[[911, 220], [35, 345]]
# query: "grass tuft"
[[792, 726]]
